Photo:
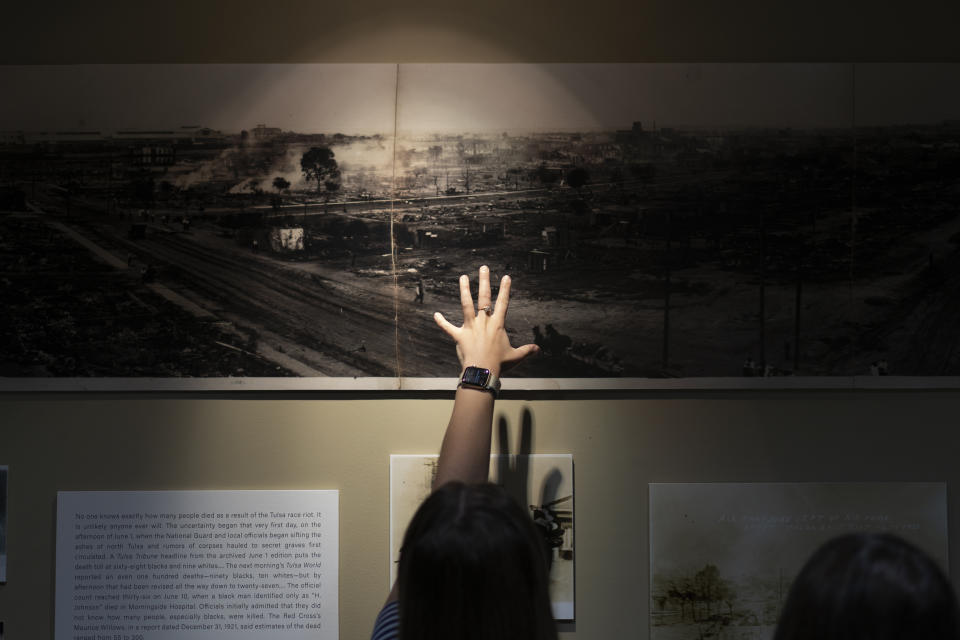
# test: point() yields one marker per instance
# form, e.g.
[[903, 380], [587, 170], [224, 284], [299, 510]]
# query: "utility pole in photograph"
[[666, 298]]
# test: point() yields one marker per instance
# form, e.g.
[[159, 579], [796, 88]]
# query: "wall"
[[619, 445], [620, 442]]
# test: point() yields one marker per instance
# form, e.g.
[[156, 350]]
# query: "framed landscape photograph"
[[723, 555], [296, 225]]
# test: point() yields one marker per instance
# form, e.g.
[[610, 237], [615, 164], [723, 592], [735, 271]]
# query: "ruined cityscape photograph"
[[658, 220], [723, 555]]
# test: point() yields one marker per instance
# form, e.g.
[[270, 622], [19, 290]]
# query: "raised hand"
[[482, 340]]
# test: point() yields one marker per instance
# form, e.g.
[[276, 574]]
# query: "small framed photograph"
[[723, 555], [543, 483]]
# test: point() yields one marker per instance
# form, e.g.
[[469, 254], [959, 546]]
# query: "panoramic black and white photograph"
[[723, 555], [306, 221]]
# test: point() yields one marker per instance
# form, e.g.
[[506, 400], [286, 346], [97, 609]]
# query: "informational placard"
[[197, 565]]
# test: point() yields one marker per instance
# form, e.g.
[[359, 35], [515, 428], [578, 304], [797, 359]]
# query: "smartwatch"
[[480, 379]]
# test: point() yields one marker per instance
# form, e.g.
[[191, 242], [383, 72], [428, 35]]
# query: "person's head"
[[870, 586], [473, 567]]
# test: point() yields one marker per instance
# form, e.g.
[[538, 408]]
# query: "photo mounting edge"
[[403, 385]]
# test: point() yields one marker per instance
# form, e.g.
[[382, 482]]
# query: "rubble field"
[[67, 314]]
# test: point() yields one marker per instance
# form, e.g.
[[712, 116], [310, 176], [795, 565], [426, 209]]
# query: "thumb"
[[522, 352]]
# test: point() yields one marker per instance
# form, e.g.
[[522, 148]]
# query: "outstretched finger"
[[446, 325], [466, 300], [483, 289], [503, 299]]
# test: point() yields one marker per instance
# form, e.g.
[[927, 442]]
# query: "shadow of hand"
[[513, 472]]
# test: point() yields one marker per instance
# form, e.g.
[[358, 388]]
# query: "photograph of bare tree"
[[253, 222], [723, 555]]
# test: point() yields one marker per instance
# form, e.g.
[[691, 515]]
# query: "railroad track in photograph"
[[340, 326]]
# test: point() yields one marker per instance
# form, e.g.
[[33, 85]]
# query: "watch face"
[[475, 377]]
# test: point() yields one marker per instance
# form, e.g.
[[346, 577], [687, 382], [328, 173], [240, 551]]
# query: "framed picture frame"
[[220, 227], [543, 483], [723, 555]]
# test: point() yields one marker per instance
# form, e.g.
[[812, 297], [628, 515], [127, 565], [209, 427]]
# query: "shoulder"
[[387, 626]]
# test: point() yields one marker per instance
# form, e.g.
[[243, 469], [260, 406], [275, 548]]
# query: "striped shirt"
[[387, 626]]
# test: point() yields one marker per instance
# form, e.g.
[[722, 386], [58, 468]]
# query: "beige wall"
[[620, 442], [619, 445]]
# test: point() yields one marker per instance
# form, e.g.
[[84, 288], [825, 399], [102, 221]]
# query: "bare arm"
[[481, 342]]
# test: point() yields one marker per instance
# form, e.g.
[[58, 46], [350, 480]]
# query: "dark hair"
[[473, 567], [870, 586]]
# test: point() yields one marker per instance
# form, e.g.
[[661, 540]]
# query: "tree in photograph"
[[710, 589], [706, 584], [318, 164], [681, 591], [280, 185]]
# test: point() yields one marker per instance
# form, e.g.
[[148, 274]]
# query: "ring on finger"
[[486, 309]]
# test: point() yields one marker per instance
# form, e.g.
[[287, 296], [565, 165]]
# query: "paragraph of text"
[[264, 567]]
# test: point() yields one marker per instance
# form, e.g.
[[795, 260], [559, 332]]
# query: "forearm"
[[465, 452]]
